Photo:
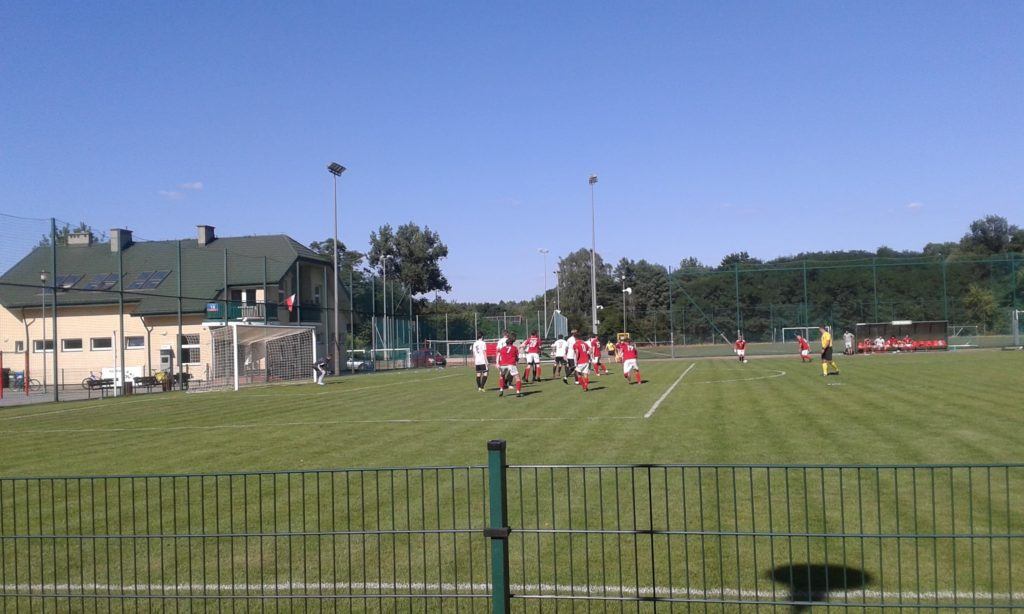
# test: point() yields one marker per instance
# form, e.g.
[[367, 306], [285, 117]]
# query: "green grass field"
[[922, 535], [937, 408]]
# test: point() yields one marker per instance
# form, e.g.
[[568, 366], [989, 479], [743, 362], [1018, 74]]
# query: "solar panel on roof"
[[109, 281], [156, 279], [95, 281], [140, 280]]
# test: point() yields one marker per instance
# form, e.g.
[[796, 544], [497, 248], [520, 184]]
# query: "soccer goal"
[[810, 333], [962, 336], [245, 354], [1017, 321]]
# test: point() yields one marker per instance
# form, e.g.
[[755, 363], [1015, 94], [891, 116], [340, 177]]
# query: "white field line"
[[335, 390], [654, 408], [777, 373], [417, 589]]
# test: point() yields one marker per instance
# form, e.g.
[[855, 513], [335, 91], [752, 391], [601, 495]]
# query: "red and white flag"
[[290, 302]]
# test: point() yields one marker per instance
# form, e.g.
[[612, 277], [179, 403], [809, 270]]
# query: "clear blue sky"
[[715, 127]]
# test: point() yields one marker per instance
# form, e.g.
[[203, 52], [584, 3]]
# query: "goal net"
[[810, 333], [963, 336], [246, 354]]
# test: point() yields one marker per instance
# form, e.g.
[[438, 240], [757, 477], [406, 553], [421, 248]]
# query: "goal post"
[[810, 333], [245, 354]]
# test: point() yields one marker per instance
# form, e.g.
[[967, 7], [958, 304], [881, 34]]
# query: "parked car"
[[428, 358], [358, 361]]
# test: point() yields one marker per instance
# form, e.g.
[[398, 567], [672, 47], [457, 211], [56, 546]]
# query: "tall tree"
[[993, 234], [414, 257]]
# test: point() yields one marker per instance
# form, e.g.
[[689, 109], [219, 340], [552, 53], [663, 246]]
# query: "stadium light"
[[593, 255], [335, 169], [544, 252], [43, 276]]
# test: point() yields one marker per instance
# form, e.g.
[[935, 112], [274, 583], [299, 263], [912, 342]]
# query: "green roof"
[[202, 271]]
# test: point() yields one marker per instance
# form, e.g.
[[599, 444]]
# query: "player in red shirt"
[[595, 356], [508, 356], [805, 349], [532, 349], [583, 363], [741, 348], [627, 349]]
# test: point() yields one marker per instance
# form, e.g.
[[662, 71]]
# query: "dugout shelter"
[[908, 335]]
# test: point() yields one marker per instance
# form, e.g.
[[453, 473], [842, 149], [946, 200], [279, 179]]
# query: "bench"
[[149, 382]]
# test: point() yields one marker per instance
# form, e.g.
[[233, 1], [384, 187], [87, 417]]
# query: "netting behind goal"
[[245, 355]]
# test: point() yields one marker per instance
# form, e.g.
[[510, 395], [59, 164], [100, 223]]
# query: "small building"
[[208, 280]]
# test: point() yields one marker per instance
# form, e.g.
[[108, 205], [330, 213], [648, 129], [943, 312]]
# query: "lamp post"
[[335, 169], [625, 291], [544, 252], [384, 262], [558, 292], [593, 257], [43, 276]]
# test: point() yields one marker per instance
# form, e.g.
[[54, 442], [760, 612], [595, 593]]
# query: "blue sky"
[[714, 126]]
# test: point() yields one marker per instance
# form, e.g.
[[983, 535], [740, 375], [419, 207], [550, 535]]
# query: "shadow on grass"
[[810, 583]]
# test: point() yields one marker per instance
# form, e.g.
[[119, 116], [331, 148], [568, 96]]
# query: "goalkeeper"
[[320, 367], [827, 364]]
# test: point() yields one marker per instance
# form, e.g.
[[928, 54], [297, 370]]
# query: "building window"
[[38, 344], [19, 346], [71, 345], [190, 352], [135, 343], [101, 344], [317, 292]]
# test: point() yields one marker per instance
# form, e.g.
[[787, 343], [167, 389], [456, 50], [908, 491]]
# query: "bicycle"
[[34, 385], [90, 382]]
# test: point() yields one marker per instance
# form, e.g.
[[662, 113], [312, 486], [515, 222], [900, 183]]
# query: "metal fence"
[[523, 538]]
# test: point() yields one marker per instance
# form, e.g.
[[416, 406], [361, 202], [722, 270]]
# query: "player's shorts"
[[533, 358], [583, 368], [481, 368], [629, 365], [826, 354], [507, 370], [741, 353], [595, 359], [560, 360], [805, 352]]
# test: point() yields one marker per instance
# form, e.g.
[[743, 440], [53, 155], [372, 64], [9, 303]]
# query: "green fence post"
[[498, 530]]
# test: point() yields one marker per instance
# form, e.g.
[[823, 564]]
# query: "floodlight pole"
[[623, 279], [544, 252], [593, 257], [384, 300], [336, 169], [42, 292]]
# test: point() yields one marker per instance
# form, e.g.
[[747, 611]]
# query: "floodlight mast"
[[544, 252], [593, 257], [335, 169]]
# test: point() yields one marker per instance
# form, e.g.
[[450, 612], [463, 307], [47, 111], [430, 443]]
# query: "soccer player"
[[595, 356], [848, 343], [321, 369], [480, 360], [560, 346], [532, 345], [805, 349], [741, 348], [627, 349], [610, 348], [508, 356], [570, 358], [826, 353], [583, 350]]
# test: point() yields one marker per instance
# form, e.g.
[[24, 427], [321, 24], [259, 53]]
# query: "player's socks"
[[639, 379], [519, 385], [824, 368]]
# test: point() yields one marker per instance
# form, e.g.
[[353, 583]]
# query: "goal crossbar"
[[255, 353]]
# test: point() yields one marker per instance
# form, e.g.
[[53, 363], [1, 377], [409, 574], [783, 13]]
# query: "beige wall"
[[86, 323]]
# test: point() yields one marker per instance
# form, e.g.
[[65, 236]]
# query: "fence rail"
[[523, 538]]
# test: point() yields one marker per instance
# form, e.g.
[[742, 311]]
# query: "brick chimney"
[[205, 234], [120, 239]]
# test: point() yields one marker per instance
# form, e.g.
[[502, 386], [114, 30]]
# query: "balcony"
[[239, 311]]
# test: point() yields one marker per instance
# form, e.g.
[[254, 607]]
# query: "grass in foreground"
[[342, 532]]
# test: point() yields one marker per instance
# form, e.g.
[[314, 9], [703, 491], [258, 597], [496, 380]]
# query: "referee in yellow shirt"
[[826, 352]]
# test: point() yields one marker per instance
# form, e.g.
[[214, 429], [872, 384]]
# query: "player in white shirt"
[[848, 343], [480, 360], [570, 358], [559, 346]]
